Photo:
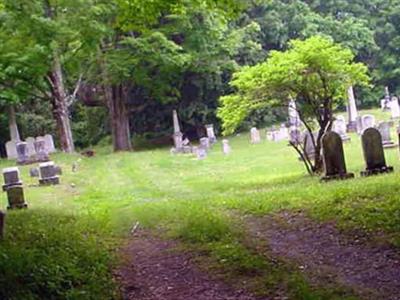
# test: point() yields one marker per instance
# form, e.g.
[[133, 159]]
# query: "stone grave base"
[[50, 181], [377, 171], [29, 161], [7, 186], [18, 206], [390, 145], [338, 177]]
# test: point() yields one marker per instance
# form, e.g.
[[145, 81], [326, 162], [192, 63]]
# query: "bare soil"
[[324, 253], [156, 270]]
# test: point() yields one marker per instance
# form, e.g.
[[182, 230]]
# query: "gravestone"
[[211, 133], [178, 135], [201, 153], [11, 178], [16, 197], [255, 137], [333, 157], [34, 172], [50, 148], [41, 151], [30, 141], [339, 126], [367, 121], [205, 143], [22, 153], [11, 148], [308, 146], [226, 148], [270, 135], [384, 130], [2, 224], [294, 135], [48, 174], [394, 108], [352, 111], [374, 154]]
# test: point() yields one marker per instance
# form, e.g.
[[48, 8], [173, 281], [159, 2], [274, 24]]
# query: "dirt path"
[[326, 254], [157, 272]]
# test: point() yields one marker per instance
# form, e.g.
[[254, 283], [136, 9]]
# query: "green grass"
[[63, 246]]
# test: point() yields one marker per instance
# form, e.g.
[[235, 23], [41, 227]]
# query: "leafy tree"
[[316, 72]]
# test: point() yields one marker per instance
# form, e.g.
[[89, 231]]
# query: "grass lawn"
[[64, 246]]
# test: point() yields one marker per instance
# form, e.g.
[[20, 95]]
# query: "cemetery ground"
[[251, 225]]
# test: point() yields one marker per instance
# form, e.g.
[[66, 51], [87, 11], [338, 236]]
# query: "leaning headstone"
[[41, 151], [48, 174], [333, 157], [11, 178], [50, 148], [394, 108], [339, 126], [211, 133], [11, 149], [226, 148], [16, 197], [384, 130], [30, 141], [2, 224], [255, 137], [373, 153], [22, 152], [367, 121]]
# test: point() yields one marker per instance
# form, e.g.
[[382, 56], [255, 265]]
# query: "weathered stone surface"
[[339, 126], [394, 108], [367, 121], [205, 143], [16, 198], [226, 148], [211, 133], [34, 172], [40, 147], [50, 147], [201, 153], [11, 148], [308, 145], [333, 156], [22, 153], [373, 153], [352, 111], [294, 135], [30, 141], [255, 137], [11, 177], [384, 129], [294, 118], [48, 174]]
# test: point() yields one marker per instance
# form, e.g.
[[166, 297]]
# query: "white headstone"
[[211, 133], [255, 137], [339, 126], [205, 143], [201, 153], [352, 110], [226, 148], [367, 121], [48, 138], [394, 107], [30, 141], [11, 149]]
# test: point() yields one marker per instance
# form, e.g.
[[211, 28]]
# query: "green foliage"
[[315, 71]]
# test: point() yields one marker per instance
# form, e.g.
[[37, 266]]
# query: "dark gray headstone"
[[374, 154], [2, 224], [11, 177], [48, 174], [333, 156], [16, 198], [22, 153]]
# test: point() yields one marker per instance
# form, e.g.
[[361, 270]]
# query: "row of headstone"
[[334, 159], [32, 149], [48, 175]]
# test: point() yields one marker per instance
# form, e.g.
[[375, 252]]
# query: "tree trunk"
[[119, 117], [60, 107], [12, 122]]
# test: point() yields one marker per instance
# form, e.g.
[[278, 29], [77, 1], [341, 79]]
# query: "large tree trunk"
[[119, 117], [60, 107], [12, 123]]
